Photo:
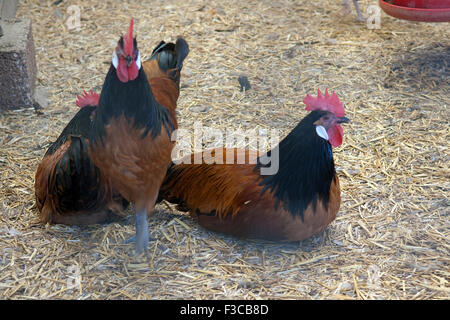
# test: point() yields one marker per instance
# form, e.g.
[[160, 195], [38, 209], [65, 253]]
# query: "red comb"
[[326, 103], [88, 99], [128, 40]]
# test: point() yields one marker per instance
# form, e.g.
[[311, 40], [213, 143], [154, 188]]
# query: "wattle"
[[335, 134], [125, 73]]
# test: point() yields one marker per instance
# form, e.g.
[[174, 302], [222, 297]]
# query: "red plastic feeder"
[[418, 10]]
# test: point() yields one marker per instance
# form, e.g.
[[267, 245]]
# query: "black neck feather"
[[79, 125], [306, 168], [135, 101]]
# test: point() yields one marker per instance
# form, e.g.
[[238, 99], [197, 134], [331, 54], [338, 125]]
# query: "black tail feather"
[[171, 56], [159, 47], [75, 178], [181, 50]]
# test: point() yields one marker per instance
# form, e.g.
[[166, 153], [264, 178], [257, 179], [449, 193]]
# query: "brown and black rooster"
[[299, 200], [126, 135], [130, 140]]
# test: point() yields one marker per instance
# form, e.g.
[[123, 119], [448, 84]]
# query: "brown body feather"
[[228, 198], [152, 70], [137, 168]]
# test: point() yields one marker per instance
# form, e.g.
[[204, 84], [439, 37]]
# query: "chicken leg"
[[142, 237], [346, 4]]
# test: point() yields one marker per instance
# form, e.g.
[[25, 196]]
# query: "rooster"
[[130, 139], [298, 201], [69, 188]]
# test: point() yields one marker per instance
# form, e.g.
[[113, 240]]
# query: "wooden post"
[[8, 9], [17, 61]]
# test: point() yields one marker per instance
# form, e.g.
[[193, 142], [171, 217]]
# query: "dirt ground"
[[391, 237]]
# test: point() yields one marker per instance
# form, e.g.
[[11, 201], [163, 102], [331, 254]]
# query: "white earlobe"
[[115, 59], [138, 60], [321, 132]]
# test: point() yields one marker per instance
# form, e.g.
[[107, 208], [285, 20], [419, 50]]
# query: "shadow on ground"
[[424, 68]]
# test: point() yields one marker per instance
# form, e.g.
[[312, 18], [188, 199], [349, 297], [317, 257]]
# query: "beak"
[[128, 59], [343, 119]]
